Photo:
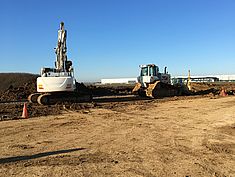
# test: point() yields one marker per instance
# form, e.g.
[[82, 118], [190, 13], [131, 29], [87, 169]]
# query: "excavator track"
[[44, 99], [33, 97], [54, 98]]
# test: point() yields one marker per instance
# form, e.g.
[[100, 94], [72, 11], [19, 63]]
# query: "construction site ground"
[[180, 136], [118, 134]]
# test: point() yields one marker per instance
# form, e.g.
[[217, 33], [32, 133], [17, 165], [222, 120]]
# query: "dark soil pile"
[[15, 80], [16, 86], [213, 87], [109, 90]]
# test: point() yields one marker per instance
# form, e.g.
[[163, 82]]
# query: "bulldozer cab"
[[149, 70], [148, 74]]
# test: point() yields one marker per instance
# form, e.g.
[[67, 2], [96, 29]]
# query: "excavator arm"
[[61, 49]]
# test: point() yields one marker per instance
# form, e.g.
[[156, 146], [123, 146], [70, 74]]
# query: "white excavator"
[[58, 84], [153, 84]]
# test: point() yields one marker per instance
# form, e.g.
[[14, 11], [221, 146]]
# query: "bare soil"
[[16, 80], [180, 136], [118, 134]]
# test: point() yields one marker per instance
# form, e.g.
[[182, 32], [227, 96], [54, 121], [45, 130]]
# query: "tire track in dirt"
[[145, 138]]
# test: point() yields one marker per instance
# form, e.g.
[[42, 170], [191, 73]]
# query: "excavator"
[[58, 84], [154, 84]]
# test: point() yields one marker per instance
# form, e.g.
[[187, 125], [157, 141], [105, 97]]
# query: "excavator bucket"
[[136, 88]]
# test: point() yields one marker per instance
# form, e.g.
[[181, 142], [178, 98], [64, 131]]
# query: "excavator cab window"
[[144, 71]]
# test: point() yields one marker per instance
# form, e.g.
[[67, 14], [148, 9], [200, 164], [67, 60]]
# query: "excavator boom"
[[61, 49]]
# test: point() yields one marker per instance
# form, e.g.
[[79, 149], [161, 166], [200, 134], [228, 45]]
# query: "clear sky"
[[110, 38]]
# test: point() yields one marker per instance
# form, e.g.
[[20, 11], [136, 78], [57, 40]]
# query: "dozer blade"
[[151, 87], [136, 88], [160, 89]]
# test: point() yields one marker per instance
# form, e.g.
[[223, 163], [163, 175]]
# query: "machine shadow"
[[35, 156]]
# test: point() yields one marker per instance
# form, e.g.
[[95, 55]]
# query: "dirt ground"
[[170, 137]]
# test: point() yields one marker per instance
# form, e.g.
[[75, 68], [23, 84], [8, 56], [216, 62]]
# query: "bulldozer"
[[58, 84], [154, 84]]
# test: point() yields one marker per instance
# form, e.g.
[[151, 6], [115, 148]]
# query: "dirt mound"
[[15, 80], [112, 89], [213, 87], [16, 86], [18, 93]]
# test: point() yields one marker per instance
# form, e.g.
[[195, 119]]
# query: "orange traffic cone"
[[223, 93], [25, 112]]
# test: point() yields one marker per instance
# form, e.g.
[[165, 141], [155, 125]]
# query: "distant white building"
[[207, 78], [230, 77], [119, 81], [221, 77]]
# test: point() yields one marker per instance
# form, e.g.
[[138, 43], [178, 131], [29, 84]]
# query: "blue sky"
[[110, 38]]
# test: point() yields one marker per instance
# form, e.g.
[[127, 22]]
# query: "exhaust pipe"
[[165, 70]]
